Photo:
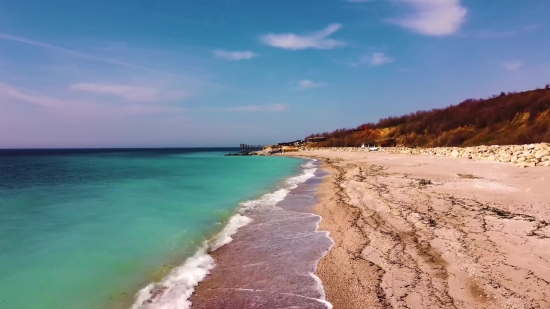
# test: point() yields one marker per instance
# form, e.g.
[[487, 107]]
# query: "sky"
[[183, 73]]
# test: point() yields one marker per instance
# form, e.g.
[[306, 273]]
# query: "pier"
[[246, 149]]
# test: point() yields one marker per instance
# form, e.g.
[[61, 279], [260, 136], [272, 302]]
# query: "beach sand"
[[430, 232]]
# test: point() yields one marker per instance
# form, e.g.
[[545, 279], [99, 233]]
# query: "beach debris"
[[424, 182]]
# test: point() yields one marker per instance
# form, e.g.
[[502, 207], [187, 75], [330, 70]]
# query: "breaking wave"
[[174, 290]]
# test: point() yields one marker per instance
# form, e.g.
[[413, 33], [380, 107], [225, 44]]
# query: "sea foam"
[[174, 291]]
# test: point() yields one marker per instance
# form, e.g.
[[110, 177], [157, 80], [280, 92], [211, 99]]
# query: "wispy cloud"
[[75, 53], [317, 40], [234, 55], [433, 17], [78, 54], [513, 65], [131, 93], [375, 59], [309, 84], [491, 34], [250, 108], [260, 108], [12, 92], [69, 108]]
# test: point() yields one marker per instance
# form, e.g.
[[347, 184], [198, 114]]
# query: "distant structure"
[[390, 142], [246, 149], [296, 143]]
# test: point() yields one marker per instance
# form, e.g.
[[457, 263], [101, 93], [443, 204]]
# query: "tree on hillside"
[[508, 118]]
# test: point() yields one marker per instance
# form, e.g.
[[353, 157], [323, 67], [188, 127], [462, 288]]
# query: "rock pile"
[[521, 155]]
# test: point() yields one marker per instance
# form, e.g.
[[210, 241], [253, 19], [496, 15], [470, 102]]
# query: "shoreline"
[[180, 285], [268, 261], [433, 232], [271, 262]]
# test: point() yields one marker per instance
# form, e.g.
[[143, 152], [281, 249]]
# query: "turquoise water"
[[88, 230]]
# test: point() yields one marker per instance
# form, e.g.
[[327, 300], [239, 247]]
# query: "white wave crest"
[[174, 290], [321, 289], [269, 199], [224, 237], [309, 171]]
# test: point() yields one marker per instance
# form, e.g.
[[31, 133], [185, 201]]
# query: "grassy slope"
[[513, 118]]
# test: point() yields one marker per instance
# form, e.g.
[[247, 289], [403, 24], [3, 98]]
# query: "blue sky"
[[219, 73]]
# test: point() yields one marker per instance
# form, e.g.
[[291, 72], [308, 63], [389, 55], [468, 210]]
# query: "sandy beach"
[[414, 231]]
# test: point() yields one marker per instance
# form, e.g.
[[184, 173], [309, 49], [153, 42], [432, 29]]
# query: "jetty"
[[247, 150]]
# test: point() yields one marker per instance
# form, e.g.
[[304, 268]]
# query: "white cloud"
[[131, 93], [309, 84], [434, 17], [318, 40], [375, 59], [513, 66], [78, 54], [234, 55], [32, 98]]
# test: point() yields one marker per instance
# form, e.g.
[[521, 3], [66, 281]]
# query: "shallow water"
[[88, 229], [272, 261]]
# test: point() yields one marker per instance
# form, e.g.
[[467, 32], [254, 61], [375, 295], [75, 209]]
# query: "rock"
[[520, 155], [542, 153]]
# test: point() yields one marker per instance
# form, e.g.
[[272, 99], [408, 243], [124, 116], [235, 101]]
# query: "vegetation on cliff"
[[505, 119]]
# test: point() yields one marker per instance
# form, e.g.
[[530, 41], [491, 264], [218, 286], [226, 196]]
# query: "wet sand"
[[430, 232], [271, 262]]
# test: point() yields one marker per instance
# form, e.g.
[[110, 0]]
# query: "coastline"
[[432, 232], [271, 262], [265, 256]]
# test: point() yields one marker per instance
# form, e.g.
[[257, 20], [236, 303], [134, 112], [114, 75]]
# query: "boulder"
[[542, 153]]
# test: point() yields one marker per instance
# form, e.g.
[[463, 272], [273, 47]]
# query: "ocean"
[[125, 228]]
